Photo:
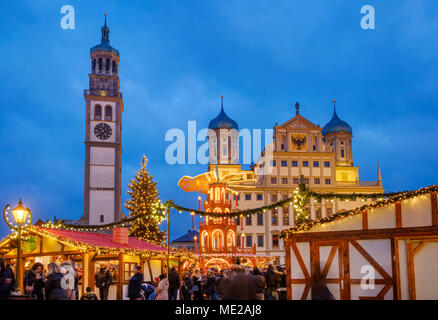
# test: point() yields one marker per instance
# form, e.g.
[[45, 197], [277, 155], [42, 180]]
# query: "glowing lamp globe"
[[20, 213]]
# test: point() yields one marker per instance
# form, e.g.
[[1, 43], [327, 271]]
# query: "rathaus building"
[[321, 156]]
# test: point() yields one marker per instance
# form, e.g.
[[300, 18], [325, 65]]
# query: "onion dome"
[[223, 121], [105, 42], [336, 125]]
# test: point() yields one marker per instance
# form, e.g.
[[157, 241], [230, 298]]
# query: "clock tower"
[[103, 136]]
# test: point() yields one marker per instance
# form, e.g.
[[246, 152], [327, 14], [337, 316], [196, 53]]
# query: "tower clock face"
[[102, 131]]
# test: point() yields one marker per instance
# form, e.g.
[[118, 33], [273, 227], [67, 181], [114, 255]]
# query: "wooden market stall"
[[393, 241], [87, 250]]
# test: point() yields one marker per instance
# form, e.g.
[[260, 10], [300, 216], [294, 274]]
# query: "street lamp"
[[23, 218]]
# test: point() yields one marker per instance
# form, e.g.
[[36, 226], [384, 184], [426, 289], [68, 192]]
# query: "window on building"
[[342, 153], [274, 198], [97, 112], [284, 180], [275, 241], [296, 181], [274, 180], [260, 241], [238, 221], [238, 240], [306, 180], [286, 215], [305, 164], [248, 196], [314, 148], [327, 164], [102, 218], [328, 181], [100, 64], [284, 163], [107, 65], [248, 221], [294, 164], [282, 147], [249, 241], [274, 217], [328, 211], [316, 164], [128, 270], [273, 163], [259, 219], [318, 212], [108, 113], [259, 197], [94, 65], [317, 181]]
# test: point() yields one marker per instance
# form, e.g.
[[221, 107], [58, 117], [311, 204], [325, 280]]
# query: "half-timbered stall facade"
[[87, 251], [384, 250]]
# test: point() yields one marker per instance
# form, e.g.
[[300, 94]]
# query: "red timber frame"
[[340, 241]]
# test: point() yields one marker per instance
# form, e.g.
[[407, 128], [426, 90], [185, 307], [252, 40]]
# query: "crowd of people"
[[60, 282], [238, 283]]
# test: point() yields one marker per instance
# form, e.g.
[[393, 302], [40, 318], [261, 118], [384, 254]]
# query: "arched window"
[[114, 67], [107, 65], [100, 64], [102, 218], [97, 112], [108, 113], [94, 65]]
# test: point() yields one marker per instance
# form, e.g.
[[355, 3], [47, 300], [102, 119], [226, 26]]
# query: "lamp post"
[[21, 215]]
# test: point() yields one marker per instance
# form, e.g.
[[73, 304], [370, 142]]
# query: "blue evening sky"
[[179, 57]]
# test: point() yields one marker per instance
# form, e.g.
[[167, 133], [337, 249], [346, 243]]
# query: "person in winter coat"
[[320, 291], [34, 281], [259, 283], [197, 285], [148, 291], [89, 295], [54, 290], [273, 281], [135, 283], [7, 280], [103, 280], [210, 287], [163, 289], [187, 286], [174, 284]]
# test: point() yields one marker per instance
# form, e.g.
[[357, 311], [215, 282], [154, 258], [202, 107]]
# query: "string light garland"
[[384, 201]]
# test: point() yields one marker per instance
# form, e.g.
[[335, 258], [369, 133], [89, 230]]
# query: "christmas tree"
[[144, 201]]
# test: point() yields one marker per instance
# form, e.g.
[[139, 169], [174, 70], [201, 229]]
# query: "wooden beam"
[[119, 293], [288, 271], [364, 220], [370, 259], [346, 263], [300, 261], [411, 271], [418, 248], [434, 204], [398, 215], [329, 262], [395, 260], [427, 231]]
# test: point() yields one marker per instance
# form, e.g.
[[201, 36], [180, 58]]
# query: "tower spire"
[[105, 31], [379, 174], [222, 102], [297, 108], [334, 106]]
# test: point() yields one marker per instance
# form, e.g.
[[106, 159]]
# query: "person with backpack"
[[135, 283], [174, 284], [89, 295], [70, 282], [147, 291], [34, 281]]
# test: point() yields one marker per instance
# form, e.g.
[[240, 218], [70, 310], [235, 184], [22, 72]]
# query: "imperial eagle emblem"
[[299, 142]]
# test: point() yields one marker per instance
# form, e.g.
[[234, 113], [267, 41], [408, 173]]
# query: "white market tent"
[[394, 241]]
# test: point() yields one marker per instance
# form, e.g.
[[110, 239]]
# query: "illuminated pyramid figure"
[[218, 234]]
